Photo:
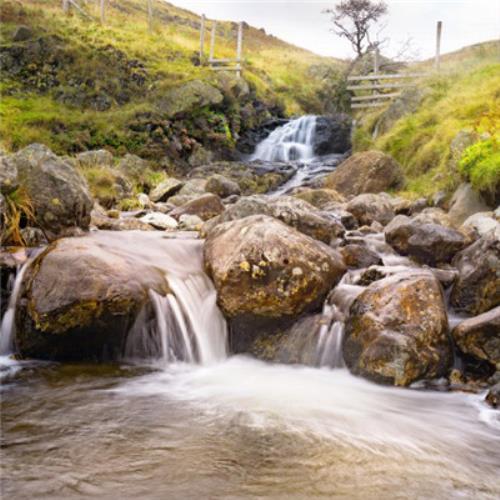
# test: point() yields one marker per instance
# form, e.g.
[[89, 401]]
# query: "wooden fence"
[[373, 88]]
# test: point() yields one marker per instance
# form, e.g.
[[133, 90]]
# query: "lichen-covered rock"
[[319, 198], [8, 175], [464, 203], [79, 300], [368, 208], [359, 256], [205, 207], [191, 95], [222, 186], [293, 212], [266, 272], [480, 336], [365, 172], [165, 189], [397, 330], [477, 288], [427, 243], [58, 193]]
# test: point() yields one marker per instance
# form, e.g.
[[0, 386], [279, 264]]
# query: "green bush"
[[480, 163]]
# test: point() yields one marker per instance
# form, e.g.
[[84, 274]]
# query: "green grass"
[[465, 96]]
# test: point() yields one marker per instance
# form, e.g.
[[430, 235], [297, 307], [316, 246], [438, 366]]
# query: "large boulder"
[[79, 299], [267, 273], [464, 203], [191, 95], [397, 330], [296, 213], [205, 207], [369, 208], [332, 134], [480, 336], [58, 193], [427, 243], [365, 172], [477, 288]]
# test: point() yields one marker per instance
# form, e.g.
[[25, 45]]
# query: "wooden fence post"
[[65, 6], [103, 11], [202, 38], [212, 40], [150, 16], [376, 61], [437, 61], [238, 48]]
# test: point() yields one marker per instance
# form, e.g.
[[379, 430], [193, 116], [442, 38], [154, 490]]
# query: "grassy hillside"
[[449, 111], [78, 84]]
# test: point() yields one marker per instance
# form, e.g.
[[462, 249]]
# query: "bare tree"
[[354, 18]]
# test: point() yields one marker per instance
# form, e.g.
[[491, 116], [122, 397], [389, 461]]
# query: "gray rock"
[[477, 288], [482, 223], [206, 207], [58, 193], [371, 207], [166, 189], [464, 203], [222, 186], [332, 134], [22, 33], [493, 396], [190, 222], [159, 221], [8, 175]]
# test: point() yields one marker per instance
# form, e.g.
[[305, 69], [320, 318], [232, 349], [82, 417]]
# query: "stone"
[[102, 221], [99, 157], [332, 134], [319, 198], [192, 95], [359, 256], [266, 272], [480, 336], [22, 33], [477, 288], [190, 222], [296, 213], [159, 221], [144, 200], [33, 237], [206, 207], [430, 244], [193, 187], [8, 175], [222, 186], [85, 312], [397, 330], [165, 189], [464, 203], [368, 208], [365, 172], [493, 396], [58, 193], [481, 223]]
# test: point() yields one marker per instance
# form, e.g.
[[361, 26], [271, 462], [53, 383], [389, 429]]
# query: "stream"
[[181, 417]]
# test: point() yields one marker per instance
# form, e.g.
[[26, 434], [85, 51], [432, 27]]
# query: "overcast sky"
[[302, 23]]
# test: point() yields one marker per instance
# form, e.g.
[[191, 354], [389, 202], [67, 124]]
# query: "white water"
[[290, 142]]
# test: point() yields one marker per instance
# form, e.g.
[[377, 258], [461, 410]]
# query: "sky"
[[302, 23]]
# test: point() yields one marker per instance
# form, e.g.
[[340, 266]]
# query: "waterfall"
[[290, 142]]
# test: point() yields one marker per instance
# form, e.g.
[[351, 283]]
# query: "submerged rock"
[[86, 311], [58, 193], [480, 336], [267, 273], [477, 288], [397, 330], [366, 172], [493, 396]]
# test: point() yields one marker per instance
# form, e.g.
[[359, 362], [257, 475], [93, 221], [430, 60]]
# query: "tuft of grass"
[[19, 213]]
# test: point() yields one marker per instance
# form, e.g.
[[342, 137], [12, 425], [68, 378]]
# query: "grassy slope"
[[465, 95], [278, 71]]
